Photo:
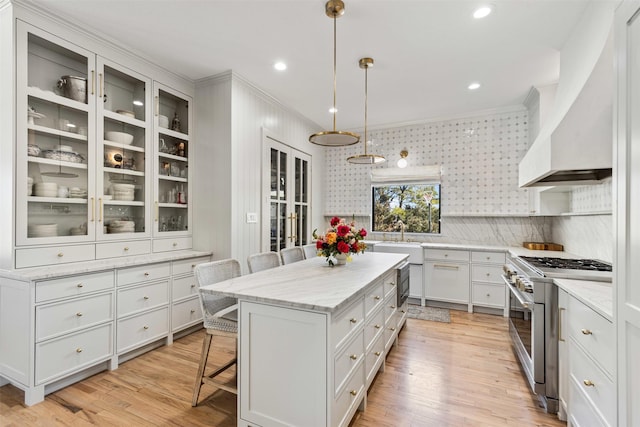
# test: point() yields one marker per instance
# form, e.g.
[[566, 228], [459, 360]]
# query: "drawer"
[[488, 295], [168, 245], [581, 411], [72, 286], [185, 313], [593, 382], [390, 283], [374, 358], [389, 310], [120, 249], [65, 355], [186, 266], [69, 316], [183, 287], [139, 330], [486, 273], [347, 401], [347, 322], [347, 360], [134, 299], [446, 255], [34, 257], [373, 328], [143, 273], [373, 298], [489, 257], [594, 333]]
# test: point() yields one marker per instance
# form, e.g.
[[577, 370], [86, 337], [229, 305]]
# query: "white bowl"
[[119, 137], [65, 148]]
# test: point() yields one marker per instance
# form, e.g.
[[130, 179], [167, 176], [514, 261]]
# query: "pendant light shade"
[[366, 158], [334, 138]]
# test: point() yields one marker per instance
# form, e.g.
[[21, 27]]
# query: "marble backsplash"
[[590, 236]]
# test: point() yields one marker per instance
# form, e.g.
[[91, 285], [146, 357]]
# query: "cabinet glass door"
[[124, 126], [55, 139], [172, 149]]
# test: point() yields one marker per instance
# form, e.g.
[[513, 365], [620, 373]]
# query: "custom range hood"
[[574, 146]]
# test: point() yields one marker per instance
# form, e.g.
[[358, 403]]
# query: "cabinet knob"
[[586, 332], [392, 283], [78, 350], [353, 320], [80, 285], [60, 254], [353, 357], [193, 266], [193, 285], [146, 274], [446, 255], [175, 244], [145, 297], [589, 383], [392, 306], [402, 311], [488, 258], [377, 353], [79, 314], [488, 274], [353, 392], [193, 311], [377, 297], [392, 329], [377, 326], [488, 295], [126, 248], [145, 327]]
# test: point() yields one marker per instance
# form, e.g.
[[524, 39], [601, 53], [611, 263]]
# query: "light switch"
[[252, 217]]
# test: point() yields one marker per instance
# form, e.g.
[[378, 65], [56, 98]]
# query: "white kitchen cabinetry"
[[62, 327], [447, 276], [487, 286], [416, 257], [592, 391], [563, 355]]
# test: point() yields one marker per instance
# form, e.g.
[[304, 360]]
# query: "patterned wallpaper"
[[479, 158], [592, 198]]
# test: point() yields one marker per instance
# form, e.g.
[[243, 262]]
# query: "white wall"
[[234, 114]]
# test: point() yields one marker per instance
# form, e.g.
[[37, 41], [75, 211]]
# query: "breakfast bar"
[[312, 337]]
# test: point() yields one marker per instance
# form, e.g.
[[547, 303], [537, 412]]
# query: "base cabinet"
[[447, 275], [60, 326]]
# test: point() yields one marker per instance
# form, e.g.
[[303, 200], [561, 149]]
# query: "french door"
[[286, 183]]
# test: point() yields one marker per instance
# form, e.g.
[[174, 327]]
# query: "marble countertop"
[[597, 295], [49, 271], [310, 284]]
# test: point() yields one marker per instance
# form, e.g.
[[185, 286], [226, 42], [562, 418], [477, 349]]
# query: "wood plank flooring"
[[461, 373]]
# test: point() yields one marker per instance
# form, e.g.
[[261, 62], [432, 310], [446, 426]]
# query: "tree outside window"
[[414, 206]]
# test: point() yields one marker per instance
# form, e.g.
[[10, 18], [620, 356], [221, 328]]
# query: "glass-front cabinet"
[[172, 214], [84, 128]]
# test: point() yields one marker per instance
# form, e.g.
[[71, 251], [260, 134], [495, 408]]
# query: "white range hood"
[[575, 144]]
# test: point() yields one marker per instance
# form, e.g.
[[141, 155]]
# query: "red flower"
[[363, 232], [334, 221], [343, 230], [343, 248], [318, 244], [355, 247]]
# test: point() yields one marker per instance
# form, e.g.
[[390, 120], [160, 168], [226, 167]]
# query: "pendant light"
[[334, 138], [366, 158]]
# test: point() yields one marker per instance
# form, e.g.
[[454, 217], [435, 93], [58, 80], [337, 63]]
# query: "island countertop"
[[310, 284]]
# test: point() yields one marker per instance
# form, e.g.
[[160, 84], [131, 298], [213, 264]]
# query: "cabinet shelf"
[[57, 132], [173, 157], [46, 95], [173, 205], [172, 178], [124, 119], [65, 200], [52, 162], [123, 146], [123, 171], [123, 203], [174, 134]]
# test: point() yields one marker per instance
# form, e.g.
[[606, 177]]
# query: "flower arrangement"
[[341, 239]]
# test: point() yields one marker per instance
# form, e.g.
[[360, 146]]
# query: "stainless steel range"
[[533, 315]]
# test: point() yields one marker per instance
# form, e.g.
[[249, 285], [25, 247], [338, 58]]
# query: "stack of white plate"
[[42, 230], [118, 226], [77, 193], [29, 186], [123, 191], [45, 189]]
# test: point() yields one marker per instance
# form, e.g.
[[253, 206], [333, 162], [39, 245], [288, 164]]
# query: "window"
[[414, 206]]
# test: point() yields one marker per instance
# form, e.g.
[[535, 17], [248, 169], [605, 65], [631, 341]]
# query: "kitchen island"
[[312, 337]]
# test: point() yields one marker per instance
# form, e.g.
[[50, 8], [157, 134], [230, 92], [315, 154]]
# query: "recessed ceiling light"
[[482, 11], [473, 86], [280, 66], [333, 110]]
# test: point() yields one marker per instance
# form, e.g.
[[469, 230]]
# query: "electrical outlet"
[[252, 217]]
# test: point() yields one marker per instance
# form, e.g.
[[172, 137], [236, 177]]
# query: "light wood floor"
[[461, 373]]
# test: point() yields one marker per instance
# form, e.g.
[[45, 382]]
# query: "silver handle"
[[452, 267], [518, 295]]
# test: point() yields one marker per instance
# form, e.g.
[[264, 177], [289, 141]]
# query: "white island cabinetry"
[[312, 337]]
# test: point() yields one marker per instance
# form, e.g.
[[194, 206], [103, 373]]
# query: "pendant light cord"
[[334, 69], [366, 95]]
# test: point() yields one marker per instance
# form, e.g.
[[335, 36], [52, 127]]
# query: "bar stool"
[[263, 261], [290, 255]]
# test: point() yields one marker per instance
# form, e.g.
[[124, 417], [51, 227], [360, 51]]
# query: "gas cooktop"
[[570, 268]]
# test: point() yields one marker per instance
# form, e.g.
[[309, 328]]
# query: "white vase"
[[341, 259]]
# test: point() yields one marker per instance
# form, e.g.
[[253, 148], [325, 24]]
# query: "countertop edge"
[[596, 295]]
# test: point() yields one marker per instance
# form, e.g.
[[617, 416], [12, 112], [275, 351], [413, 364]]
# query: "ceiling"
[[426, 52]]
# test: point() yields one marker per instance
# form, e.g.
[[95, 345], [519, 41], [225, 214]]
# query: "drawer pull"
[[60, 254], [452, 267], [353, 357], [145, 327], [560, 334], [377, 297], [353, 392], [392, 329], [78, 350], [193, 285], [145, 297], [586, 332], [353, 320], [80, 285], [446, 255], [589, 383], [193, 266], [175, 244], [146, 274], [377, 326], [392, 306], [488, 258], [126, 248], [377, 353], [488, 274], [79, 314], [192, 311], [488, 295], [392, 283], [402, 311]]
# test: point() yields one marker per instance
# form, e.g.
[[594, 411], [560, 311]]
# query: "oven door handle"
[[524, 303]]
